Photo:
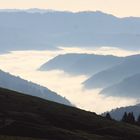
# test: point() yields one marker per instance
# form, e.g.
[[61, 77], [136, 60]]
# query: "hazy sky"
[[116, 7]]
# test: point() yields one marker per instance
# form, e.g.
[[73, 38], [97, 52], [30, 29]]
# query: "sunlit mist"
[[26, 63]]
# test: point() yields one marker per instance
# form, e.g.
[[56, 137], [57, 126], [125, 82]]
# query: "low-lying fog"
[[26, 63]]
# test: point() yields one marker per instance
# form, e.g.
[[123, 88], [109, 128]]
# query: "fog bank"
[[26, 63]]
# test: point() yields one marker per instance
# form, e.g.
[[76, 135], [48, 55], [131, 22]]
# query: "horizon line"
[[43, 10]]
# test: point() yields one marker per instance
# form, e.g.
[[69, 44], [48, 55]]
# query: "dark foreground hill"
[[27, 116]]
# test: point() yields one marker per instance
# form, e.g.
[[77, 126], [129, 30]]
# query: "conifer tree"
[[125, 116], [128, 117], [131, 118], [108, 116], [138, 120]]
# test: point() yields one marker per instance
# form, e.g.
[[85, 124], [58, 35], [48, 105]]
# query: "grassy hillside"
[[27, 116], [16, 138]]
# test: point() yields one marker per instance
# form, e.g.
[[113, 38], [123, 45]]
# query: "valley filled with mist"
[[26, 64], [69, 75]]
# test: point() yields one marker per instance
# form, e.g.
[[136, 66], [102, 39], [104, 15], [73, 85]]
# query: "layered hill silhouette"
[[27, 116], [117, 76], [37, 29], [17, 84], [128, 67], [129, 87], [118, 113], [81, 63]]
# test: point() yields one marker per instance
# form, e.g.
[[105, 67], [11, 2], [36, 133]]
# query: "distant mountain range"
[[17, 84], [31, 10], [116, 76], [118, 113], [129, 66], [122, 80], [86, 64], [23, 116], [129, 87], [42, 29]]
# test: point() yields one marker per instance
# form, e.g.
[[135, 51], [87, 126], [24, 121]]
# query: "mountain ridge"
[[18, 84], [83, 29], [113, 75], [118, 113], [81, 64], [39, 10], [128, 87]]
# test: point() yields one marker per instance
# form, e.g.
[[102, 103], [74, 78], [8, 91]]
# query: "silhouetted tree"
[[138, 120], [108, 116], [124, 118], [129, 118]]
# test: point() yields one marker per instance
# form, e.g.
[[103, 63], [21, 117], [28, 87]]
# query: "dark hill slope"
[[27, 116]]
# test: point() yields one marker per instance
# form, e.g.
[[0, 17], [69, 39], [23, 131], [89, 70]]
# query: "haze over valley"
[[69, 72], [26, 64]]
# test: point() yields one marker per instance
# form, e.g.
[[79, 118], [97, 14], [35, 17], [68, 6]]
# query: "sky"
[[120, 8]]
